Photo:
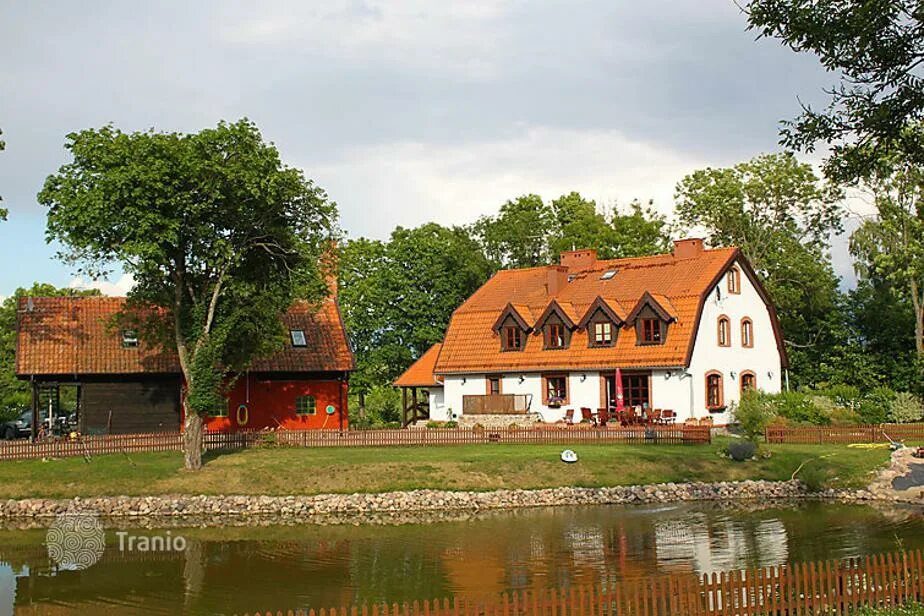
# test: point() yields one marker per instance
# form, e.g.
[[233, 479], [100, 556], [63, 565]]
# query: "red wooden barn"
[[124, 386]]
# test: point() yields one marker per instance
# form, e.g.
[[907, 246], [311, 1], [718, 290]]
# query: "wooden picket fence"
[[832, 588], [823, 435], [173, 441], [665, 435]]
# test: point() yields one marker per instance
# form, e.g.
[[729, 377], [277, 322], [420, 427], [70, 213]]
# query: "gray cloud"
[[413, 110]]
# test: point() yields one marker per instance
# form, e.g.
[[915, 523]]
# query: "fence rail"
[[129, 443], [832, 587], [820, 435]]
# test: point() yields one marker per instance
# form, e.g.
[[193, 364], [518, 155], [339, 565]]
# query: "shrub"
[[432, 425], [451, 424], [845, 396], [814, 476], [753, 414], [739, 451], [905, 408], [799, 408], [874, 406]]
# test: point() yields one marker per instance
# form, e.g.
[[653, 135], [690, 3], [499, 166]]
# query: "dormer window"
[[512, 338], [650, 331], [512, 328], [603, 334], [734, 281], [652, 317], [602, 321], [129, 338], [298, 337], [555, 336]]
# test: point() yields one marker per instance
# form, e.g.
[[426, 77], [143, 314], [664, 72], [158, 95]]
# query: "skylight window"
[[129, 338], [298, 337], [608, 275]]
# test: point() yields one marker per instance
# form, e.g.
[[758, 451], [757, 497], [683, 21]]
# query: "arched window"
[[734, 280], [724, 333], [715, 391], [748, 381], [747, 333]]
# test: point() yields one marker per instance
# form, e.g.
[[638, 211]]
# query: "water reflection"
[[228, 570]]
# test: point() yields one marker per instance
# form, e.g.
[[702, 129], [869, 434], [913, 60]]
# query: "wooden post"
[[35, 410], [414, 407], [404, 407]]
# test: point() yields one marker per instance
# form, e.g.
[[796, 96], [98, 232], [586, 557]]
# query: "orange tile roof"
[[74, 336], [678, 284], [420, 374]]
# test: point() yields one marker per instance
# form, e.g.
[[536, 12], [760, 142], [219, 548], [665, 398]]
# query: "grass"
[[276, 471]]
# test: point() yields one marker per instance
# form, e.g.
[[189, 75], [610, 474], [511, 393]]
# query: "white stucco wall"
[[583, 389], [437, 402], [763, 359]]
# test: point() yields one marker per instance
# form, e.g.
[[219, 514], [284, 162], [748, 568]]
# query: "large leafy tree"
[[15, 395], [778, 212], [397, 296], [638, 231], [528, 232], [876, 49], [220, 236], [518, 235], [891, 245]]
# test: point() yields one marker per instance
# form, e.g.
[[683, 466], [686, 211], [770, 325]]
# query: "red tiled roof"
[[678, 284], [420, 374], [76, 335]]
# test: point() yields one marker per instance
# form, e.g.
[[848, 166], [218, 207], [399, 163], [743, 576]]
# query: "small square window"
[[129, 338], [306, 405], [298, 337]]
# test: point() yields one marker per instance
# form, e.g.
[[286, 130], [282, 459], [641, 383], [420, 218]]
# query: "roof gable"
[[511, 311], [611, 308], [659, 304], [557, 309]]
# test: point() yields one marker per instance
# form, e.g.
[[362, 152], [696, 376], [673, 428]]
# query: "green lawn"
[[470, 467], [912, 609]]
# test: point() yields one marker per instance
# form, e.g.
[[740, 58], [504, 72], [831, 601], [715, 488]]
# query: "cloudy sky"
[[405, 111]]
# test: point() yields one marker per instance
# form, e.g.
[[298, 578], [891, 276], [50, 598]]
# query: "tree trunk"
[[192, 441], [917, 303]]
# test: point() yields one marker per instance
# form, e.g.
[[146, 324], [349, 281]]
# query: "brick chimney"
[[578, 259], [688, 248], [556, 277]]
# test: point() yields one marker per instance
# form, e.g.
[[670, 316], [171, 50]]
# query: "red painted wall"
[[271, 404]]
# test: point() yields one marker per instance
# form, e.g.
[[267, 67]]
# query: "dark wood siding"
[[143, 405]]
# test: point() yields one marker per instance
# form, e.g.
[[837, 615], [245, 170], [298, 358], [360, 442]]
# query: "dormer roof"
[[610, 307], [658, 303]]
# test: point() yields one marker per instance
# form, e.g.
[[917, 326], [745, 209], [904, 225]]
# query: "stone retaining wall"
[[307, 507]]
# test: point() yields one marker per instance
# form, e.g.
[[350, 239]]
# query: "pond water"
[[228, 570]]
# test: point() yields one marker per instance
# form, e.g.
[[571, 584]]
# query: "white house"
[[689, 331]]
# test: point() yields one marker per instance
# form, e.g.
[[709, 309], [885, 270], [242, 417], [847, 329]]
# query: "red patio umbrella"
[[620, 403]]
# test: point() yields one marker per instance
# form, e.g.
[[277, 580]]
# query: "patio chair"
[[569, 417], [668, 416], [654, 416], [603, 417], [587, 415]]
